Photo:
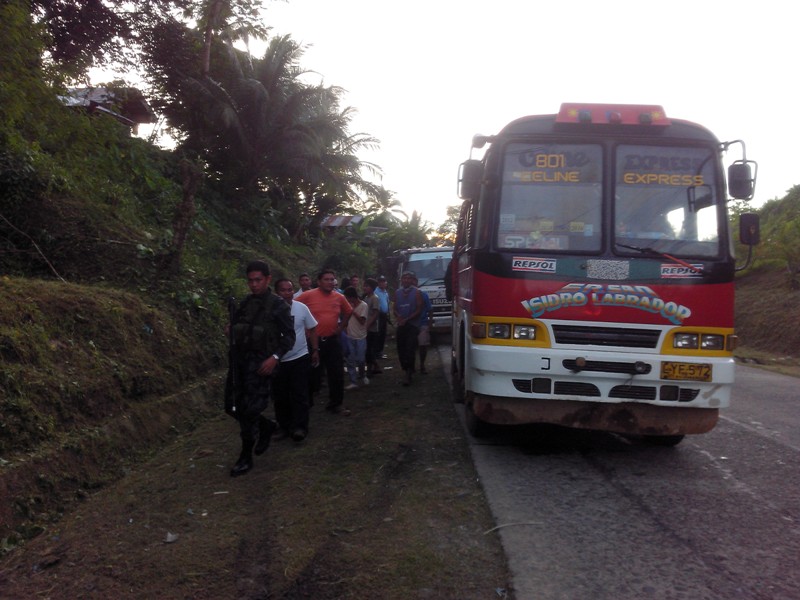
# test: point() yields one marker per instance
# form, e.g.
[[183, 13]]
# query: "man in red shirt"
[[331, 310]]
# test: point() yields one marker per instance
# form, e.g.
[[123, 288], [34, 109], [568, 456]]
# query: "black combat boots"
[[245, 462], [266, 427]]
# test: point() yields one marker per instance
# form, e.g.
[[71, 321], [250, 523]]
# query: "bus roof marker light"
[[651, 115]]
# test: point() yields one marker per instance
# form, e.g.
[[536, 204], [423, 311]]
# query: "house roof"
[[126, 104], [332, 222], [342, 220]]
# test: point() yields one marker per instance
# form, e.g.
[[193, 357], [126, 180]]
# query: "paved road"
[[585, 515]]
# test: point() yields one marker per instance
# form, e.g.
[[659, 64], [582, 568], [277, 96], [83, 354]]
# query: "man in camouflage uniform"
[[261, 331]]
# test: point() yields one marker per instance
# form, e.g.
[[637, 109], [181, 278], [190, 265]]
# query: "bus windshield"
[[428, 267], [551, 197], [666, 200]]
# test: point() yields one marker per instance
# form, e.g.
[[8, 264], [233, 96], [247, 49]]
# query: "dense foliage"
[[259, 153], [780, 234]]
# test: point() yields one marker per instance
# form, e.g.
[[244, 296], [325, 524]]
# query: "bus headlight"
[[499, 330], [712, 342], [524, 332], [685, 341]]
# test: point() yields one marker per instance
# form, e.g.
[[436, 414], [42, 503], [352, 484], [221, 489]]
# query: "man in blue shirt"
[[408, 305], [383, 318]]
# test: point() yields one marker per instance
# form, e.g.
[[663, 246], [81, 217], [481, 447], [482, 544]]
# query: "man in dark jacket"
[[261, 331]]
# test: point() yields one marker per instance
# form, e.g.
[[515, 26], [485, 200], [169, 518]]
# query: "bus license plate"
[[685, 371]]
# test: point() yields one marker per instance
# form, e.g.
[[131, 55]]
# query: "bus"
[[593, 273]]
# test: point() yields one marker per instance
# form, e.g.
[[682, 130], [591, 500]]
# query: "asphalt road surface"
[[594, 516]]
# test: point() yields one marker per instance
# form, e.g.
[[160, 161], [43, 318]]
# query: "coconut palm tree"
[[232, 20], [269, 128], [385, 206], [411, 233], [264, 134]]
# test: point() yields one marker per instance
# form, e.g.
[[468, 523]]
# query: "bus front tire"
[[458, 388], [665, 441]]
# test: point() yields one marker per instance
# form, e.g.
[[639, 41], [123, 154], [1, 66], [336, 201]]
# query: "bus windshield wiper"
[[430, 281], [654, 252]]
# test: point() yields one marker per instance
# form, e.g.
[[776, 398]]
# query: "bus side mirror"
[[749, 229], [470, 174], [741, 180]]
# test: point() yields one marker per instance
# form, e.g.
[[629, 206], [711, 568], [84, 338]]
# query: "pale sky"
[[425, 76]]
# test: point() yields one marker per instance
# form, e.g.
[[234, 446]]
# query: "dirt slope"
[[768, 319], [381, 504]]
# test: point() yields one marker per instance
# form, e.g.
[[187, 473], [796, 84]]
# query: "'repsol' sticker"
[[533, 265], [676, 271]]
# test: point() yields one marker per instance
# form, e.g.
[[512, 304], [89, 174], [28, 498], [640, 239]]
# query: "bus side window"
[[465, 227]]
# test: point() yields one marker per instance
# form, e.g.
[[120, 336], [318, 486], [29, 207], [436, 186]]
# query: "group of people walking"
[[283, 344]]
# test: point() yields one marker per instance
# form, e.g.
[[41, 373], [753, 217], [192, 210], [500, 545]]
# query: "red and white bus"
[[593, 273]]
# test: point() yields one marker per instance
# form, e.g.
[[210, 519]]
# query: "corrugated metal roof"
[[126, 103], [342, 220]]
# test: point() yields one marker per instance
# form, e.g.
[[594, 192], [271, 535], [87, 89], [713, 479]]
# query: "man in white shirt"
[[291, 388], [304, 281]]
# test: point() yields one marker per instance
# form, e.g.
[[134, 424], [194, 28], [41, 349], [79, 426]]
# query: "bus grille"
[[606, 336], [574, 388], [523, 385], [633, 392], [542, 385]]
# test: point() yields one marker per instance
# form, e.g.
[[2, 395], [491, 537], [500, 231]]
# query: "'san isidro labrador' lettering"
[[639, 297]]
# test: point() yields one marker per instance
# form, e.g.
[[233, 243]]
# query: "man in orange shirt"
[[331, 310]]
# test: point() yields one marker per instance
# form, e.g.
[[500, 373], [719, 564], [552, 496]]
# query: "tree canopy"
[[251, 133], [85, 33]]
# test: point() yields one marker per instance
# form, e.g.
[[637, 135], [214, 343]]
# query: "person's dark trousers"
[[290, 391], [248, 428], [332, 360], [254, 398], [407, 345], [372, 354], [383, 324]]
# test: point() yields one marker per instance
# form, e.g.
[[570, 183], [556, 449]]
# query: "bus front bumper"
[[507, 386], [630, 418]]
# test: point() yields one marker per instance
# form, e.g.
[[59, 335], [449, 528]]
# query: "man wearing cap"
[[408, 304]]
